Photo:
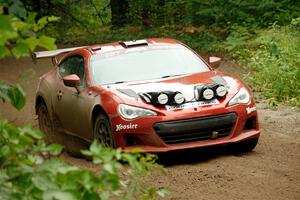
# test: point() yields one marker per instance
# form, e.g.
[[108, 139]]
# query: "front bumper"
[[243, 136], [192, 129]]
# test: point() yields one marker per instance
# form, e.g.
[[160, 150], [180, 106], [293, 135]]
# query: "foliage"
[[19, 35], [90, 14], [13, 94], [30, 169], [215, 13], [273, 57], [19, 30], [262, 13]]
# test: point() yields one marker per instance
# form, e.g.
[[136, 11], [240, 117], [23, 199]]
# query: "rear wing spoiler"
[[52, 54]]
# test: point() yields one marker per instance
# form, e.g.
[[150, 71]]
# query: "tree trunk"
[[119, 11]]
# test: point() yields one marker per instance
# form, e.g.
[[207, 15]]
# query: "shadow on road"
[[193, 156]]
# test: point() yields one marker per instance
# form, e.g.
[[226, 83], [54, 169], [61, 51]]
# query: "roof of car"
[[99, 48], [148, 40]]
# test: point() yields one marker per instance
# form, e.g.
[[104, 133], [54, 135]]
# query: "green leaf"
[[21, 49], [136, 151], [109, 167], [52, 165], [53, 18], [67, 169], [5, 151], [47, 42], [36, 134], [7, 32], [59, 195], [54, 149], [95, 148], [18, 97], [31, 17], [14, 94], [91, 196], [44, 182], [21, 27], [4, 52], [31, 42], [17, 8], [41, 24], [5, 23]]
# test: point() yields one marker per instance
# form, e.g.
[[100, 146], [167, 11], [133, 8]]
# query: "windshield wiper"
[[168, 76]]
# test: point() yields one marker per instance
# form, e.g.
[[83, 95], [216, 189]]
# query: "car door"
[[70, 106]]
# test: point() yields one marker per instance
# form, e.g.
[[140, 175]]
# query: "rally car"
[[154, 94]]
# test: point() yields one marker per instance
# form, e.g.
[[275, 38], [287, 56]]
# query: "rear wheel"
[[102, 131], [44, 120], [244, 146]]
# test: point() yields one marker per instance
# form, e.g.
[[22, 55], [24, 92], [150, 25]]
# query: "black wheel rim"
[[103, 134]]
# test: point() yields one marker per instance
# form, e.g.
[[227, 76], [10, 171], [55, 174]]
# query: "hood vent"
[[134, 43]]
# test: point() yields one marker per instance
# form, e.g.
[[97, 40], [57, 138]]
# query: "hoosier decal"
[[120, 127]]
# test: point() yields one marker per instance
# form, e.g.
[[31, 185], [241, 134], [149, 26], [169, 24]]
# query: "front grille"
[[197, 129]]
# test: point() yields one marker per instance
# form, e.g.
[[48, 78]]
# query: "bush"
[[30, 169], [273, 57]]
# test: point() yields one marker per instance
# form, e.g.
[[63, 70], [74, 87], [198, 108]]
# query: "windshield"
[[144, 63]]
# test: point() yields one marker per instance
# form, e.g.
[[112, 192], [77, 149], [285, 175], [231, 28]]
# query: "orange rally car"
[[155, 94]]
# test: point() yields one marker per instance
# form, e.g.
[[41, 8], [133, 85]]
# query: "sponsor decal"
[[193, 104], [130, 126], [250, 109]]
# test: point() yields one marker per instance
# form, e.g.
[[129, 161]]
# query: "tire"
[[45, 122], [102, 131], [244, 146]]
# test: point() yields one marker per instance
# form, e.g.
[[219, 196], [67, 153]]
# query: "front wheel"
[[244, 146], [102, 131]]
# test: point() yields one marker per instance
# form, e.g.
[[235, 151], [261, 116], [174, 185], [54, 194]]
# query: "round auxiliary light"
[[221, 91], [179, 98], [162, 98], [208, 94]]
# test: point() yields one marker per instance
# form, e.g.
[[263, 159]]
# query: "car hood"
[[185, 84]]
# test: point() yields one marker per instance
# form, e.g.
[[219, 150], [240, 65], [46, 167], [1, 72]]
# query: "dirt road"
[[271, 171]]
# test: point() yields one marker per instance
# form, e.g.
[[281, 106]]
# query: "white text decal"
[[120, 127]]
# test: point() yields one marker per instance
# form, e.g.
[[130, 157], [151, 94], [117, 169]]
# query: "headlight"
[[242, 97], [132, 112]]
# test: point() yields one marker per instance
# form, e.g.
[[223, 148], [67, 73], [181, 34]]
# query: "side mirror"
[[72, 80], [214, 62]]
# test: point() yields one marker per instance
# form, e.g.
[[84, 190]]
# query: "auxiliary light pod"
[[210, 91], [163, 98]]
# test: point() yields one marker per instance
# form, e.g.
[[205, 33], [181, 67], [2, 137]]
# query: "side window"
[[64, 70], [73, 65]]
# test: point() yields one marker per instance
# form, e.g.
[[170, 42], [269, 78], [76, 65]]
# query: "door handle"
[[59, 95]]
